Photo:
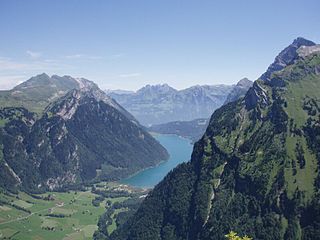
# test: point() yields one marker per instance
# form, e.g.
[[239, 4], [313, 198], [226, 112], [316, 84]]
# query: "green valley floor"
[[53, 215]]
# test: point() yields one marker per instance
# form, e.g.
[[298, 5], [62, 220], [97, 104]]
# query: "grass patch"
[[22, 204], [89, 230], [7, 233], [113, 226], [48, 223], [80, 225], [5, 208], [64, 211]]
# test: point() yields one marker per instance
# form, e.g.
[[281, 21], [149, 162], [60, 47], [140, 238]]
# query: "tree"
[[234, 236]]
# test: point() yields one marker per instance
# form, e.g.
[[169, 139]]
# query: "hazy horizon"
[[127, 45], [122, 89]]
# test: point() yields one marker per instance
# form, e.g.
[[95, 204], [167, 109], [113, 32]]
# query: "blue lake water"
[[180, 150]]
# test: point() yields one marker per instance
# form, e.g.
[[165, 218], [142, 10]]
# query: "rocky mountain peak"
[[299, 48], [305, 51], [239, 90], [244, 82], [300, 41], [42, 75], [85, 83], [40, 79], [156, 89], [286, 57], [56, 82], [67, 105], [39, 91]]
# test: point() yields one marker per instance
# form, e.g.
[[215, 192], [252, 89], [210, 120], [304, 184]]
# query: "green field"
[[79, 219]]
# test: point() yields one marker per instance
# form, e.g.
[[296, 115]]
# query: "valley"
[[75, 214], [75, 218], [159, 120], [59, 215]]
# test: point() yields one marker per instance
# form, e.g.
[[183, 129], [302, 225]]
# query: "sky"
[[126, 44]]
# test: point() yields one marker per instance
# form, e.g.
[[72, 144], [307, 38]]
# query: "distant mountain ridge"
[[195, 129], [156, 104], [39, 91], [239, 90]]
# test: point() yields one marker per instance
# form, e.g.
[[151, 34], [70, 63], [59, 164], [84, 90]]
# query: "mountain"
[[286, 57], [255, 171], [161, 103], [239, 90], [190, 129], [80, 137], [194, 129], [118, 91], [37, 92]]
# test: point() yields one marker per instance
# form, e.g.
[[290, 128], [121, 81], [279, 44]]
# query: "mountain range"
[[239, 90], [156, 104], [255, 171], [195, 129], [57, 132]]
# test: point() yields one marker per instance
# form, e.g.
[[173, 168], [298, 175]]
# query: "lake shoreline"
[[179, 149], [172, 134]]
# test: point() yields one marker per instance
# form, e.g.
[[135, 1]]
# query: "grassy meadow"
[[63, 215]]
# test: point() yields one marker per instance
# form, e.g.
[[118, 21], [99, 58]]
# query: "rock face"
[[239, 90], [80, 137], [162, 103], [255, 171], [286, 57], [300, 47], [305, 51]]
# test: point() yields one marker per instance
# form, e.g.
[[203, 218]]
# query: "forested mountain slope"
[[255, 170], [80, 137]]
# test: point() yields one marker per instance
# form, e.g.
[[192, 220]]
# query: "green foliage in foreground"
[[234, 236]]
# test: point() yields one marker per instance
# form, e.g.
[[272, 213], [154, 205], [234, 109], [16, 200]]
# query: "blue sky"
[[126, 44]]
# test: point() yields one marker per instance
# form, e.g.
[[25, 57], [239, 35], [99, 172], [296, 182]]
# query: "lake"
[[179, 149]]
